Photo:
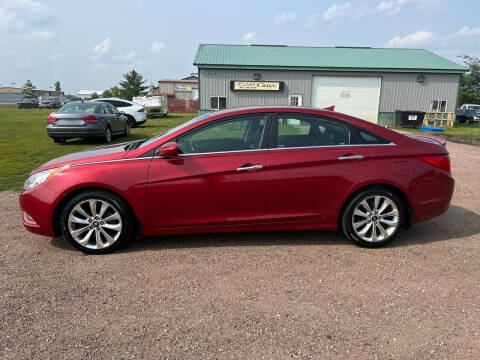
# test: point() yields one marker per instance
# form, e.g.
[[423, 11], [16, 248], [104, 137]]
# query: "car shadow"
[[117, 139], [456, 223]]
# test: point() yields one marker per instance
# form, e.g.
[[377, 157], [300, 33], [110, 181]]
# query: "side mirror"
[[168, 150]]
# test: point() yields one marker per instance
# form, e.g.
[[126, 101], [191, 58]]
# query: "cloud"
[[102, 48], [414, 39], [128, 57], [284, 17], [337, 11], [249, 36], [157, 47], [56, 56], [468, 32], [23, 16], [42, 35], [394, 6]]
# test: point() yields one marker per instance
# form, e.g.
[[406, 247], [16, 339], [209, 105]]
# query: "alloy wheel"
[[375, 218], [95, 224]]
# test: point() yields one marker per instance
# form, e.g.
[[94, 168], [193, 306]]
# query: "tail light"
[[141, 110], [441, 162], [51, 119], [89, 118]]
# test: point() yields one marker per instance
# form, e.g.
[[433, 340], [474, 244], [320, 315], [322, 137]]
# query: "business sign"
[[183, 88], [256, 85]]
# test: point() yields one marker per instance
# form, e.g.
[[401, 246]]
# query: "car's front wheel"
[[127, 129], [373, 217], [96, 222], [108, 135]]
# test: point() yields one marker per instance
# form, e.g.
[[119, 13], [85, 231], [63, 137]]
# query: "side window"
[[113, 109], [365, 137], [123, 104], [305, 131], [238, 134], [106, 109]]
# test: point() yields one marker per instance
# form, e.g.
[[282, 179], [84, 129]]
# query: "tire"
[[132, 121], [370, 229], [127, 129], [78, 221], [59, 140], [108, 135]]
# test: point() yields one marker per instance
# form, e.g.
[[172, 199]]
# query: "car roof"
[[115, 98]]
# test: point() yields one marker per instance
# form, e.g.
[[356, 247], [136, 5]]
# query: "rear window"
[[85, 108]]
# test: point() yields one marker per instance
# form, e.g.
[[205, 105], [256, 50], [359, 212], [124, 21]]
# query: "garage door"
[[352, 95]]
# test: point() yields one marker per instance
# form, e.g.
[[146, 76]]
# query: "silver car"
[[87, 120]]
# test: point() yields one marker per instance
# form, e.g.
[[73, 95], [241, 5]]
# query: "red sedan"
[[250, 169]]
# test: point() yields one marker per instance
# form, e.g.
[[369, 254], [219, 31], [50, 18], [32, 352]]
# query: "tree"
[[116, 91], [132, 85], [94, 96], [107, 93], [29, 90], [57, 86], [470, 81]]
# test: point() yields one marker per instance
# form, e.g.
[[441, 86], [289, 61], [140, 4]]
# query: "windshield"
[[181, 126], [71, 108]]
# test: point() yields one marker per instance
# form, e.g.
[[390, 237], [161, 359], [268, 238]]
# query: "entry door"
[[311, 166], [353, 95], [219, 179]]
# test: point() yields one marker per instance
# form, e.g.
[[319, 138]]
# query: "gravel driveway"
[[306, 295]]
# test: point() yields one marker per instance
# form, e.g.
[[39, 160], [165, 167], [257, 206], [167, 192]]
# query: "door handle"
[[351, 157], [252, 167]]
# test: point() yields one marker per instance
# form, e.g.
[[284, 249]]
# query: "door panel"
[[309, 182], [311, 165], [207, 189]]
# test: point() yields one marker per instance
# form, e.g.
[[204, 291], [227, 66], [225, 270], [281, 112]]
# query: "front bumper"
[[37, 207]]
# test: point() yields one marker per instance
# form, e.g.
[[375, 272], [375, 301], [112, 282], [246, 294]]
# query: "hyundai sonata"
[[249, 169]]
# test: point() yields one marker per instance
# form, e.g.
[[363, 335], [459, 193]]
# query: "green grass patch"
[[24, 144]]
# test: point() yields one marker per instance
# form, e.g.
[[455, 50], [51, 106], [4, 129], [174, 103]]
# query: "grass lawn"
[[24, 144], [462, 133]]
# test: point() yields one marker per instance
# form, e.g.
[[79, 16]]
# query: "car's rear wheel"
[[59, 140], [108, 135], [127, 129], [96, 222], [373, 217], [132, 121]]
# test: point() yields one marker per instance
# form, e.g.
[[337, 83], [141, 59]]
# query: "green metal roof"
[[322, 58]]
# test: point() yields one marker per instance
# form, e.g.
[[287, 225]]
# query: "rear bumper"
[[437, 201], [86, 131]]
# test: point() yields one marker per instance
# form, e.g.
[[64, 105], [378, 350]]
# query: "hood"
[[110, 152]]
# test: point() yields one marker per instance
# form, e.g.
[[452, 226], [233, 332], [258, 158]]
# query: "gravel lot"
[[306, 295]]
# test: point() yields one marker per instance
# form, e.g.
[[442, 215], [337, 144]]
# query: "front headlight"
[[40, 177]]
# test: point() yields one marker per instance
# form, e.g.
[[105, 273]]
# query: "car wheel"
[[96, 222], [127, 129], [108, 134], [59, 140], [373, 217], [132, 121]]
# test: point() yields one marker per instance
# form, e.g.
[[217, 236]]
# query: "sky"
[[89, 45]]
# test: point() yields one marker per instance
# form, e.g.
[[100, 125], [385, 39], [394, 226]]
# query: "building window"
[[218, 102], [438, 105], [295, 100]]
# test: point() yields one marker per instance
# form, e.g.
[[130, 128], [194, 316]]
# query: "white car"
[[135, 112]]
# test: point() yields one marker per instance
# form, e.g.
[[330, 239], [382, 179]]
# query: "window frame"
[[264, 141], [300, 99], [218, 102], [438, 108]]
